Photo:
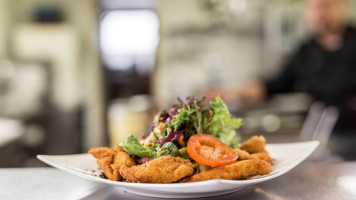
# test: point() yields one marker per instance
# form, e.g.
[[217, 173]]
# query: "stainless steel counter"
[[307, 181]]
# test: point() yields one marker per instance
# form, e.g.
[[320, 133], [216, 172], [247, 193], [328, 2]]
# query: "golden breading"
[[160, 170], [111, 160], [101, 152], [255, 144], [244, 155], [239, 170]]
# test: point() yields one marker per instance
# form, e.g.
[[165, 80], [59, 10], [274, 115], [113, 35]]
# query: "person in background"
[[324, 66]]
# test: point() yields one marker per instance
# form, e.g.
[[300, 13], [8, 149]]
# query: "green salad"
[[173, 128]]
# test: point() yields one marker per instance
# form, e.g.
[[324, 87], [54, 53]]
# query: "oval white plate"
[[287, 156]]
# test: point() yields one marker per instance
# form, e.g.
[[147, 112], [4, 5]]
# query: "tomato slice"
[[209, 150]]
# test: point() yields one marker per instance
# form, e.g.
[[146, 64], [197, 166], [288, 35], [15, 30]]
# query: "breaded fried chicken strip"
[[101, 152], [239, 170], [254, 148], [255, 144], [160, 170], [244, 155], [111, 160]]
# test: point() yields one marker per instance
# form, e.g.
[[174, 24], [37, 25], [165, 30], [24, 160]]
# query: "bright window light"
[[129, 38]]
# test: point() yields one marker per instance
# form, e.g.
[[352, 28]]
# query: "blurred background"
[[87, 73]]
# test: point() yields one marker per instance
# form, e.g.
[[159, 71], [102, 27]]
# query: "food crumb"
[[102, 175]]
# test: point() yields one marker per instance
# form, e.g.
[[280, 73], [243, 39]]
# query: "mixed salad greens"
[[172, 129]]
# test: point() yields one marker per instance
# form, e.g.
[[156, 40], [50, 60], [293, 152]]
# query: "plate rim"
[[88, 176]]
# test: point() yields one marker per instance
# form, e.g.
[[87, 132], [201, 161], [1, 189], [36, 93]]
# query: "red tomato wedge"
[[209, 150]]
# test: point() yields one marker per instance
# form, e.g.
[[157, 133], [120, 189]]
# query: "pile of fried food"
[[252, 159]]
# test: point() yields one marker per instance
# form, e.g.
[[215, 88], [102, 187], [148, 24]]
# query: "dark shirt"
[[328, 76]]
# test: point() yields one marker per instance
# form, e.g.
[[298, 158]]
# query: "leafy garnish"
[[134, 148], [183, 118], [171, 137], [184, 153], [223, 124], [193, 112], [168, 149], [187, 119]]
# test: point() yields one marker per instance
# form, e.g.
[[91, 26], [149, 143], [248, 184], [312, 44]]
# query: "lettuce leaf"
[[223, 124], [187, 119], [183, 118], [168, 149], [192, 113], [134, 148], [214, 120]]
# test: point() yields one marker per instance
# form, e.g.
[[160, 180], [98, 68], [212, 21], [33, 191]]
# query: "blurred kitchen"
[[85, 73]]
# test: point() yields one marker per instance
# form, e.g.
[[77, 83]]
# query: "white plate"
[[287, 156]]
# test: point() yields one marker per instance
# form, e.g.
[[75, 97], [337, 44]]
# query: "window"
[[129, 39]]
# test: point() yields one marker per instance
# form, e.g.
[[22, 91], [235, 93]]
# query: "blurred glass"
[[130, 116]]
